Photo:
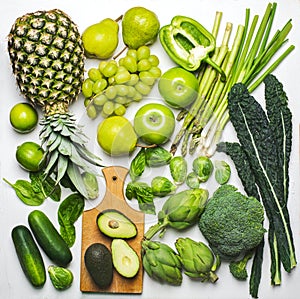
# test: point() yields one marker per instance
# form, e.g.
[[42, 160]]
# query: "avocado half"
[[115, 224]]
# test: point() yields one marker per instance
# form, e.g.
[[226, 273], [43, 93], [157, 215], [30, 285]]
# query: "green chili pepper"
[[188, 43]]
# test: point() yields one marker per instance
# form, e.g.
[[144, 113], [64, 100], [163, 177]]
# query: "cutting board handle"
[[115, 179]]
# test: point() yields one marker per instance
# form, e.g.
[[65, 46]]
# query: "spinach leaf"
[[69, 211], [25, 191], [144, 195]]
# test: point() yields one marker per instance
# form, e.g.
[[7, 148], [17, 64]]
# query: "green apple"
[[116, 136], [178, 87], [154, 123]]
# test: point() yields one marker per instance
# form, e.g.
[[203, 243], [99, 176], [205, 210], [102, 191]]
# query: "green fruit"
[[98, 261], [23, 117], [140, 27], [100, 40], [125, 259], [30, 156], [114, 224], [178, 87], [154, 123], [116, 136]]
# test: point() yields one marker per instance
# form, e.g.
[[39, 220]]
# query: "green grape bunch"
[[111, 87]]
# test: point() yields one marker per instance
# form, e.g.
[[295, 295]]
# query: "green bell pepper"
[[188, 43]]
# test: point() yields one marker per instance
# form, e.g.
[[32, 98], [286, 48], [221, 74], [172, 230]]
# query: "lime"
[[23, 117], [30, 156]]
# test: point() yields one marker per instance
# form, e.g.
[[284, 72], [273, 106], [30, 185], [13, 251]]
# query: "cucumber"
[[29, 255], [49, 238]]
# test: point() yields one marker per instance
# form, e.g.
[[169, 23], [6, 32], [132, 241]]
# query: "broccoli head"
[[232, 223]]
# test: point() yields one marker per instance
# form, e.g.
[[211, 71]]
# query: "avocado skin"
[[98, 261]]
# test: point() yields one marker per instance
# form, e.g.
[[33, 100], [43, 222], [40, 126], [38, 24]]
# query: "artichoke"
[[180, 211], [197, 259], [161, 262]]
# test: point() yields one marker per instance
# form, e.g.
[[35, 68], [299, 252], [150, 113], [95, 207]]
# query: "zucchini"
[[29, 255], [49, 238]]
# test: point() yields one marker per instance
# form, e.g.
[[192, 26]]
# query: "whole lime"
[[23, 117], [140, 27], [30, 156], [116, 136]]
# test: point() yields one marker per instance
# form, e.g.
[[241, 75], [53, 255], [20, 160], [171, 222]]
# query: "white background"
[[13, 283]]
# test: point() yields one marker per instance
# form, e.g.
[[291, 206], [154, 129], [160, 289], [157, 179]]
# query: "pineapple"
[[47, 58]]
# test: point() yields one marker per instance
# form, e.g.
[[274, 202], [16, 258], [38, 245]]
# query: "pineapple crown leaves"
[[66, 149]]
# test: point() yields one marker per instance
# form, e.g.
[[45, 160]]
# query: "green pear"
[[140, 27], [116, 136], [100, 40]]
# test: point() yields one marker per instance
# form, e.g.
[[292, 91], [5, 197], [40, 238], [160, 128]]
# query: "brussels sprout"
[[222, 172], [162, 186], [60, 277], [178, 169], [203, 167], [192, 180]]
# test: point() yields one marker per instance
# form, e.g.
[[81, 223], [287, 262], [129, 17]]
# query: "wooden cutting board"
[[113, 199]]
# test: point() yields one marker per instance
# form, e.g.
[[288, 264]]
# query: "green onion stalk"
[[250, 59]]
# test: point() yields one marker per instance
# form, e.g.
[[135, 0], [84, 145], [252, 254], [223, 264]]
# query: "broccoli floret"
[[238, 268], [232, 223]]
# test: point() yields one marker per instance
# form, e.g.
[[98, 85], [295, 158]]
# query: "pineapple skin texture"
[[47, 58]]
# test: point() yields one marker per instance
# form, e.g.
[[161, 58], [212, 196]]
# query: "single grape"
[[131, 91], [94, 74], [119, 109], [99, 85], [87, 88], [122, 76], [143, 52], [132, 53], [143, 88], [100, 100], [91, 111], [155, 71], [137, 97], [134, 78], [102, 65], [108, 108], [130, 63], [111, 92], [143, 65], [121, 100], [154, 60], [122, 90], [147, 78], [110, 69]]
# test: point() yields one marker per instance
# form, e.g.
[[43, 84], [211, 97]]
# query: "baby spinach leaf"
[[69, 211], [26, 192]]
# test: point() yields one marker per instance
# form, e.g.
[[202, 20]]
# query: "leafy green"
[[144, 195], [45, 185], [27, 193], [137, 165], [68, 212], [263, 152]]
